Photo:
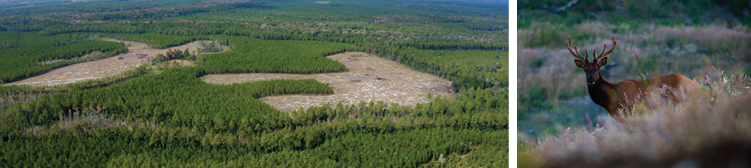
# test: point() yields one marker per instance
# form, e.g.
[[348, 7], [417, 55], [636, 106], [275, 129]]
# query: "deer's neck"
[[600, 92]]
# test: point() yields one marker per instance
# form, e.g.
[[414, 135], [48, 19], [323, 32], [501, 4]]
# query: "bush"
[[210, 47]]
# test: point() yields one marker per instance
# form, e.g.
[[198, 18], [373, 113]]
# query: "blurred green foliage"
[[666, 12]]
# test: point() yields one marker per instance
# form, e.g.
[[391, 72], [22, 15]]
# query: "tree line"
[[29, 59], [398, 149]]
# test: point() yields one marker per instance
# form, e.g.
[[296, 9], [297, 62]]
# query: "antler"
[[604, 54], [577, 55], [586, 55]]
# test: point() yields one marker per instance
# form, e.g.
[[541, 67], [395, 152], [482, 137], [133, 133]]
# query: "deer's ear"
[[602, 62], [580, 64]]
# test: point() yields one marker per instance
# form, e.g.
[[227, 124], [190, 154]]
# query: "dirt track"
[[104, 67], [399, 84]]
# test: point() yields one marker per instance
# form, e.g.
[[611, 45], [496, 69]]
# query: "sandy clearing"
[[399, 84], [103, 67]]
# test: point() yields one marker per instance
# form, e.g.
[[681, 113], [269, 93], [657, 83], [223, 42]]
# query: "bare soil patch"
[[104, 67], [397, 83]]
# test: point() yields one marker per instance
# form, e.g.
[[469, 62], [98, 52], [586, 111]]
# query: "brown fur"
[[629, 92]]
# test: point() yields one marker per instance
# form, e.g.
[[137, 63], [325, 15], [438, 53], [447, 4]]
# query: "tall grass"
[[710, 128], [715, 38]]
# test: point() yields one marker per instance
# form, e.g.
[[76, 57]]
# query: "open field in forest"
[[369, 78], [104, 67], [25, 54]]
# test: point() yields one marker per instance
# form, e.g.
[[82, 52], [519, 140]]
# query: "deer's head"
[[591, 69]]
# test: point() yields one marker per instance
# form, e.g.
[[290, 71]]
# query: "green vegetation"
[[211, 47], [154, 40], [152, 116], [91, 28], [635, 13], [277, 56], [553, 86], [28, 54], [370, 150], [693, 38], [157, 98]]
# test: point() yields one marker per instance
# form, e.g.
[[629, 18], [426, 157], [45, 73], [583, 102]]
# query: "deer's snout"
[[590, 80]]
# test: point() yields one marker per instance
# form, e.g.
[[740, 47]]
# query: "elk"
[[614, 97]]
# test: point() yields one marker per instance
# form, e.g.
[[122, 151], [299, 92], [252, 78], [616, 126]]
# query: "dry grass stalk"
[[711, 128]]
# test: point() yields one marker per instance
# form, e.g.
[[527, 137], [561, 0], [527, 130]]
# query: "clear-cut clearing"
[[104, 67], [370, 78]]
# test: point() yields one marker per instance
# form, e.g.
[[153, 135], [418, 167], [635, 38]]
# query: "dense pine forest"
[[154, 116]]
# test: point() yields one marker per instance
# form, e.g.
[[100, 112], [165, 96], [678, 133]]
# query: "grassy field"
[[555, 91], [560, 126]]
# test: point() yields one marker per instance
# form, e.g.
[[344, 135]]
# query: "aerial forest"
[[169, 116]]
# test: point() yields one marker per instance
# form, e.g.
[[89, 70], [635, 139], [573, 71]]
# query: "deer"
[[621, 96]]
